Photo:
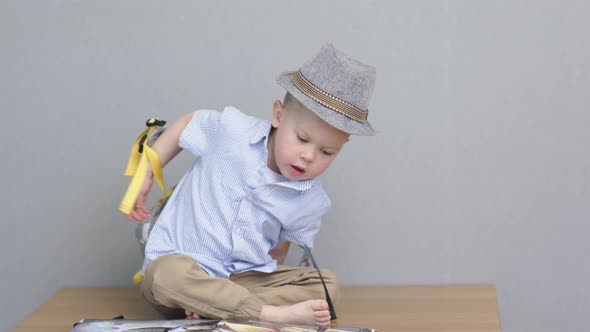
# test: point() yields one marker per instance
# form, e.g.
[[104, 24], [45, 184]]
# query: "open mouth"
[[297, 170]]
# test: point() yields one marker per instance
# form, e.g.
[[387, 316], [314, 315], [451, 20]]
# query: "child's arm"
[[167, 144], [280, 252], [167, 148]]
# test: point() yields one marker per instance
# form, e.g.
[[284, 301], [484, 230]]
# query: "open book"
[[185, 325]]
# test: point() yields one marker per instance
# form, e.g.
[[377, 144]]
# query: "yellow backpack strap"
[[141, 155]]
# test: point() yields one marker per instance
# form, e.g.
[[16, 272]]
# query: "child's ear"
[[278, 110]]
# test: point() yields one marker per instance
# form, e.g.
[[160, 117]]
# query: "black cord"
[[330, 305]]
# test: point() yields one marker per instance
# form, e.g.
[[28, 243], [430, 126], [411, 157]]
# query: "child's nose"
[[308, 155]]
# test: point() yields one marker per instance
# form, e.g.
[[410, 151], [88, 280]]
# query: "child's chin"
[[294, 177]]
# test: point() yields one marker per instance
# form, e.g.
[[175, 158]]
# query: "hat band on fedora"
[[327, 100]]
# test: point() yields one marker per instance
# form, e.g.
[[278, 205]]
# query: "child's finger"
[[135, 215], [132, 216]]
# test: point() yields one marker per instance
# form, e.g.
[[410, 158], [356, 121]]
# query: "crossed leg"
[[290, 294]]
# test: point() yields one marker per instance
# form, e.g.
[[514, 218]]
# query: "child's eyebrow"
[[326, 147], [302, 132], [331, 147]]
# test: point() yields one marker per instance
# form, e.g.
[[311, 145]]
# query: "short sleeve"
[[200, 131], [304, 230]]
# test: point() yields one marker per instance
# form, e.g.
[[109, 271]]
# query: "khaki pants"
[[173, 283]]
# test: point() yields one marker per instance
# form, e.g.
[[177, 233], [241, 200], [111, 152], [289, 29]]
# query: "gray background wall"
[[480, 172]]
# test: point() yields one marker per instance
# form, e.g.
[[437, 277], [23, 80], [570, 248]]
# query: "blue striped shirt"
[[223, 214]]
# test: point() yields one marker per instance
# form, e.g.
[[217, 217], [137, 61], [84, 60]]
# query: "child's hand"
[[280, 252], [140, 211]]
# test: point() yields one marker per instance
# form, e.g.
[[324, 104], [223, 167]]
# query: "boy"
[[218, 246]]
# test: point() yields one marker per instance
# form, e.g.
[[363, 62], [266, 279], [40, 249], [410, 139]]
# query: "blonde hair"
[[290, 102]]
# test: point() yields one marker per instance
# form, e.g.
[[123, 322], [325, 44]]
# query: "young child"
[[218, 246]]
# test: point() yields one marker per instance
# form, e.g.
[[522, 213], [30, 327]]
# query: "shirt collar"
[[260, 132], [301, 185]]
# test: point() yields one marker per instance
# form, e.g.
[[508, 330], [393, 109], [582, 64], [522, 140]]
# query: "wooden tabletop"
[[470, 308]]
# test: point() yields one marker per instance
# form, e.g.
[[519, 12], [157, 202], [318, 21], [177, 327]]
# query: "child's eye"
[[327, 153], [301, 139]]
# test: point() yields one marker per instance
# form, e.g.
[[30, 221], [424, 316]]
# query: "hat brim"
[[332, 117]]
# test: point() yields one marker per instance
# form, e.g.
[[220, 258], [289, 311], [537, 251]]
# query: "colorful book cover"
[[185, 325]]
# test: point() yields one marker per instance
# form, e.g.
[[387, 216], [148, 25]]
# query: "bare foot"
[[311, 312], [191, 315]]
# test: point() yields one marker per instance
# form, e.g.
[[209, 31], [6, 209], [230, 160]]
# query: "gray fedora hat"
[[336, 87]]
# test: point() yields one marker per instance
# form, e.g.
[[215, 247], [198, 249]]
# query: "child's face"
[[303, 145]]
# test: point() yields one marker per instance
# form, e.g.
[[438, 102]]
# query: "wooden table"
[[385, 308]]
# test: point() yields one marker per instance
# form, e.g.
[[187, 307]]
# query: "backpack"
[[142, 154]]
